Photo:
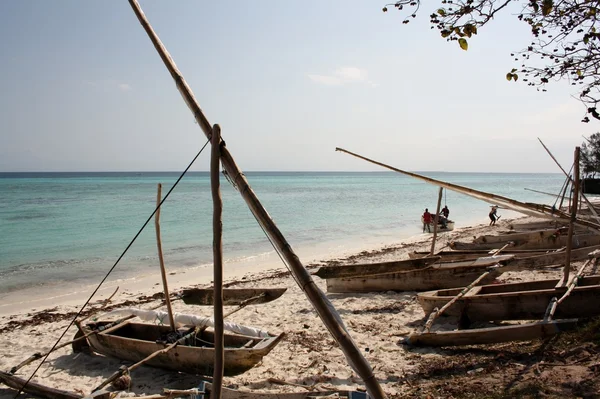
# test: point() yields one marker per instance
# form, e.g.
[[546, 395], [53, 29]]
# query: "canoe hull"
[[231, 296], [491, 335], [546, 243], [120, 342], [415, 280], [517, 301]]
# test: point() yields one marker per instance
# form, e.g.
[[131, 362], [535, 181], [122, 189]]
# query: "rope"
[[112, 268]]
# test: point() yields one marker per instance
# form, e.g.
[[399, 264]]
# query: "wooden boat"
[[231, 296], [135, 341], [517, 301], [491, 335], [541, 225], [33, 388], [528, 236], [464, 254], [579, 240], [441, 228], [374, 268], [447, 274]]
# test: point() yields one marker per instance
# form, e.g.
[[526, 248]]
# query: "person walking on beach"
[[493, 216], [426, 220]]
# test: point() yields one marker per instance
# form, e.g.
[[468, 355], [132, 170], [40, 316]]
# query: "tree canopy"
[[565, 39], [590, 156]]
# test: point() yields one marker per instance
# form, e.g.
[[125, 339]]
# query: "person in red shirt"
[[427, 221]]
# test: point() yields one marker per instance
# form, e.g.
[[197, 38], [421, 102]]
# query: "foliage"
[[590, 156], [565, 39]]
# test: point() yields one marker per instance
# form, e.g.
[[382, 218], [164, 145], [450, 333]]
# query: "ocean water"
[[72, 227]]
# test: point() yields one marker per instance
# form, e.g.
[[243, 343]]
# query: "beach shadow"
[[144, 379]]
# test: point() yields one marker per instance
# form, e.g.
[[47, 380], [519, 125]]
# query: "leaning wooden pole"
[[321, 303], [163, 272], [436, 220], [218, 261], [573, 218]]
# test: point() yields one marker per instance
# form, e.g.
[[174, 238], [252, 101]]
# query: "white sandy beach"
[[307, 355]]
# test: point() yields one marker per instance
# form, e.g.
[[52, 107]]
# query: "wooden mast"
[[218, 261], [163, 272], [573, 218], [435, 221], [321, 303]]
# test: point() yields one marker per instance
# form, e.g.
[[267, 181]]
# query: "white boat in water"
[[441, 228]]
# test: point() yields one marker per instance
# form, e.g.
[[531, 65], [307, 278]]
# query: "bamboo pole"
[[539, 210], [436, 220], [321, 303], [567, 185], [163, 272], [572, 284], [589, 204], [438, 312], [219, 366], [496, 252], [573, 218]]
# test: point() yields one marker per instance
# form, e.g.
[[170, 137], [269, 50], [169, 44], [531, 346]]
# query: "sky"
[[83, 89]]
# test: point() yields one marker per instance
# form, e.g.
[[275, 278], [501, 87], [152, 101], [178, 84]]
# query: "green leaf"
[[509, 76], [463, 44], [547, 7], [579, 73], [442, 12], [515, 77]]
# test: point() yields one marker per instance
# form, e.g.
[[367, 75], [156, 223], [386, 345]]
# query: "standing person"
[[445, 211], [427, 220], [493, 216]]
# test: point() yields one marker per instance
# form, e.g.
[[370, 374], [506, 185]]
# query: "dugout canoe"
[[527, 236], [491, 335], [465, 254], [231, 296], [517, 301], [135, 341], [228, 393], [446, 274], [551, 242], [374, 268]]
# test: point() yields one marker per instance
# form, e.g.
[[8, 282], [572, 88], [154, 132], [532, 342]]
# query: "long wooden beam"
[[539, 210], [321, 303]]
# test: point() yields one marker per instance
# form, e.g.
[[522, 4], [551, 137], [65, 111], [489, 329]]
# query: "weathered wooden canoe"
[[552, 242], [231, 296], [465, 254], [374, 268], [135, 341], [517, 301], [491, 335], [33, 388], [549, 259], [529, 236], [447, 274], [539, 225]]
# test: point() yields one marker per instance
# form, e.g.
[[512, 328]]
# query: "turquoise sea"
[[72, 227]]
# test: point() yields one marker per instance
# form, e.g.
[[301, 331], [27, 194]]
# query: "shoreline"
[[143, 282], [307, 355]]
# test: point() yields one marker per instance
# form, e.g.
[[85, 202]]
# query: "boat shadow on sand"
[[145, 379]]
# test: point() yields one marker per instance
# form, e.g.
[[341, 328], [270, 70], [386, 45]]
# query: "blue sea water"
[[57, 227]]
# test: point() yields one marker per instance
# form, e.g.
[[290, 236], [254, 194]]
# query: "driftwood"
[[33, 388], [321, 303]]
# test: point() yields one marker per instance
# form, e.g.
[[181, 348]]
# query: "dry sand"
[[307, 355]]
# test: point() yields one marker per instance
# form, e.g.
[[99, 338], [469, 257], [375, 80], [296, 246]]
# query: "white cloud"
[[124, 86], [342, 76], [109, 85]]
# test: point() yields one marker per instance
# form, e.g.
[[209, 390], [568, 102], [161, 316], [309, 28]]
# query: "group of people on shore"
[[442, 218]]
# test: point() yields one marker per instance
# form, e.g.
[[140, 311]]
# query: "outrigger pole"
[[321, 303], [527, 208]]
